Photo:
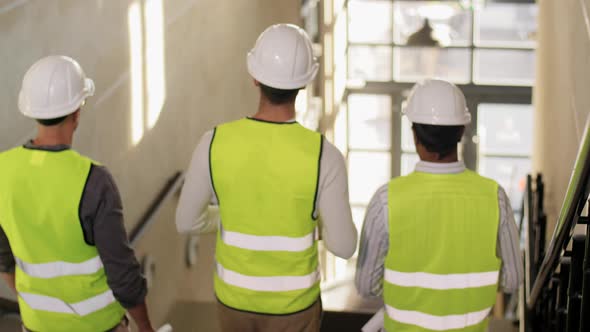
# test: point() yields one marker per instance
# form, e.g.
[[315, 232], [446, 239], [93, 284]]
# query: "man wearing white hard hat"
[[63, 246], [437, 243], [275, 183]]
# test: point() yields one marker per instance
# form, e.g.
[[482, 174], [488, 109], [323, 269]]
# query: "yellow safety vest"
[[265, 176], [60, 279], [441, 270]]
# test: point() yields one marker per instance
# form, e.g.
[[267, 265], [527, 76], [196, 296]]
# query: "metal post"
[[575, 284], [564, 276], [585, 312], [551, 323]]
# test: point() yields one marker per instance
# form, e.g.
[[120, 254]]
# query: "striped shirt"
[[374, 243]]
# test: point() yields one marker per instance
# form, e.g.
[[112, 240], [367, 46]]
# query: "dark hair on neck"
[[278, 96], [438, 139], [51, 122]]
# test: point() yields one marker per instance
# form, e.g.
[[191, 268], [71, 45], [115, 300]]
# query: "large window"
[[464, 41]]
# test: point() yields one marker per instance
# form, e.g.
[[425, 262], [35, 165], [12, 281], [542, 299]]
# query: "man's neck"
[[48, 136], [434, 157], [275, 113]]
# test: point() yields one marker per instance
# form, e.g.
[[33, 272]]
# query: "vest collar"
[[292, 121], [49, 148], [440, 168]]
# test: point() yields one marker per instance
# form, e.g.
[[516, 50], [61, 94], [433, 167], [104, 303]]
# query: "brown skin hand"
[[60, 134], [432, 157], [9, 278], [273, 113]]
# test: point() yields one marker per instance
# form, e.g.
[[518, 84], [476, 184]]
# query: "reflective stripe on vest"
[[60, 269], [441, 269], [268, 284], [267, 243], [53, 304], [266, 177], [437, 323], [441, 281]]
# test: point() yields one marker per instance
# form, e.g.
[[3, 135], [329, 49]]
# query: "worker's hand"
[[10, 280]]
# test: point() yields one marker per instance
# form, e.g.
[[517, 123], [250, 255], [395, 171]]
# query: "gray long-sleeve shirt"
[[101, 214], [375, 238]]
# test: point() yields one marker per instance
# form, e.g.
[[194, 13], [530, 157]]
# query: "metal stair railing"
[[557, 294]]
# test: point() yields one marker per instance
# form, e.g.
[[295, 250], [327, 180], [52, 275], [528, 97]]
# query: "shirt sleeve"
[[374, 246], [101, 212], [508, 247], [338, 230], [192, 213], [7, 264]]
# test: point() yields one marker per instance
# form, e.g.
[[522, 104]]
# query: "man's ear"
[[461, 133], [416, 142], [76, 117]]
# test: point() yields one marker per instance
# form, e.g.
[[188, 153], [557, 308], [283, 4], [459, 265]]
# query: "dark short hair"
[[278, 96], [438, 139], [51, 122]]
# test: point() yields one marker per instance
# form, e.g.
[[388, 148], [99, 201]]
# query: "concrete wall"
[[561, 93], [186, 55]]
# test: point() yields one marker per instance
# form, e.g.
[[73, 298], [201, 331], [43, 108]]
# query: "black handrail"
[[172, 186], [575, 200]]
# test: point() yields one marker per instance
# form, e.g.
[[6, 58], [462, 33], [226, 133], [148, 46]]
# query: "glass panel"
[[369, 122], [370, 21], [409, 161], [407, 136], [505, 129], [370, 63], [367, 172], [340, 81], [504, 67], [340, 130], [449, 22], [510, 173], [506, 25], [358, 216], [412, 64], [340, 42]]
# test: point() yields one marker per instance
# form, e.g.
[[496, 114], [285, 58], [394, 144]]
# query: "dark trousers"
[[308, 320]]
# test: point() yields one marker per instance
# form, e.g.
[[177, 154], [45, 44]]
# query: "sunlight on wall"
[[146, 43], [136, 61], [155, 70]]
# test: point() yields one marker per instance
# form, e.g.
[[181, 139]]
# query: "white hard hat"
[[53, 87], [437, 102], [283, 58]]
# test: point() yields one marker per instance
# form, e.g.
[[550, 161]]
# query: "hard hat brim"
[[291, 84]]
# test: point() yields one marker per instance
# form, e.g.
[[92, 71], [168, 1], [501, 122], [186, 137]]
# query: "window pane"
[[367, 172], [506, 25], [409, 161], [358, 216], [510, 173], [370, 63], [412, 64], [407, 136], [340, 42], [370, 21], [505, 129], [369, 121], [340, 130], [450, 22], [504, 67], [340, 80]]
